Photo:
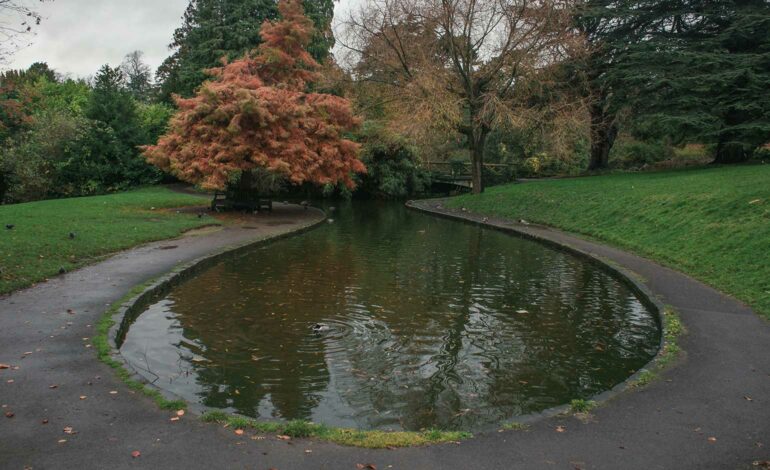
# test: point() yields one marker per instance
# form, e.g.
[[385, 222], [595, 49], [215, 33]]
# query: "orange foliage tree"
[[255, 114]]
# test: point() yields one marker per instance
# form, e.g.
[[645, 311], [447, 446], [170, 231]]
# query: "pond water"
[[391, 319]]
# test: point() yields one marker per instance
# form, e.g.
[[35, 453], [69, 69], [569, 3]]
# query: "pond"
[[387, 318]]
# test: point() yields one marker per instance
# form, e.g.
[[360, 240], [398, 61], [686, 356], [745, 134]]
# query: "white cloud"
[[79, 36]]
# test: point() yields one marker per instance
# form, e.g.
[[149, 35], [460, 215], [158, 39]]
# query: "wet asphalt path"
[[720, 390]]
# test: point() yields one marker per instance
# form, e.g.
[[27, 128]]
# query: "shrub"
[[23, 175], [64, 155], [30, 163], [763, 153], [153, 119], [392, 166], [632, 154]]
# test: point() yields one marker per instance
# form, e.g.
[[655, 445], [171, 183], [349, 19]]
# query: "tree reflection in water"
[[431, 323]]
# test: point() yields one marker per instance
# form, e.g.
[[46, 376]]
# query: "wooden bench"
[[221, 203], [265, 204]]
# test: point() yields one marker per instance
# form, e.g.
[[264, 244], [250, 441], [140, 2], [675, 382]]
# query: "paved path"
[[664, 426]]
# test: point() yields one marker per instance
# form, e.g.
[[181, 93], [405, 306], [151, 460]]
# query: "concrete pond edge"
[[628, 278], [130, 308]]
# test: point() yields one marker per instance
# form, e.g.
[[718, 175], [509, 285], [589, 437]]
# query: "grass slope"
[[39, 245], [713, 224]]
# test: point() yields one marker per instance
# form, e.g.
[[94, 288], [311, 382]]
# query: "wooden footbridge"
[[458, 174]]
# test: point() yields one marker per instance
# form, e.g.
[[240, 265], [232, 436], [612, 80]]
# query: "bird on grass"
[[73, 235], [9, 226], [304, 204]]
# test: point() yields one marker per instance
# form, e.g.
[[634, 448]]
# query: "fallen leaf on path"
[[712, 439], [283, 437], [69, 430], [53, 386], [366, 466], [239, 432], [761, 463], [308, 451], [561, 428], [136, 454], [83, 397], [113, 392], [748, 398], [175, 418], [62, 441], [9, 414], [180, 413], [45, 421], [10, 381], [5, 366]]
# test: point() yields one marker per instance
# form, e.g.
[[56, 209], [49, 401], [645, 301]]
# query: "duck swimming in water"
[[320, 328]]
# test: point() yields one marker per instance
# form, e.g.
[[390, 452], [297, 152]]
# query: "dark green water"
[[426, 323]]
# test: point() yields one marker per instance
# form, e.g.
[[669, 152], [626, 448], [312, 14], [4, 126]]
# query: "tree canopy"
[[255, 114], [460, 64], [686, 70], [702, 73], [216, 29]]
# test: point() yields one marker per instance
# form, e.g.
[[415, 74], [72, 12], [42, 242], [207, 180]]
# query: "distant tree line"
[[66, 137], [551, 87]]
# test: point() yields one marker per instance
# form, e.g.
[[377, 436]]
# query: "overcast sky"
[[79, 36]]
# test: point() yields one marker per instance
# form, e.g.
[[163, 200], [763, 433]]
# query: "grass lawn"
[[713, 224], [39, 245]]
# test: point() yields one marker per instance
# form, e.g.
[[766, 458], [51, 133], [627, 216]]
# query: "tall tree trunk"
[[243, 188], [603, 134], [477, 140], [731, 152]]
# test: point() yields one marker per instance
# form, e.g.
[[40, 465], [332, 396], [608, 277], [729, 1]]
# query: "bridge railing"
[[461, 169]]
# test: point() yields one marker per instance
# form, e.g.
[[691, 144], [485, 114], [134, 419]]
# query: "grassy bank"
[[39, 245], [713, 224]]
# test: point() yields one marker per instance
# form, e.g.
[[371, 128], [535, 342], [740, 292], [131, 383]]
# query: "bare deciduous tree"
[[138, 75], [458, 65], [17, 22]]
